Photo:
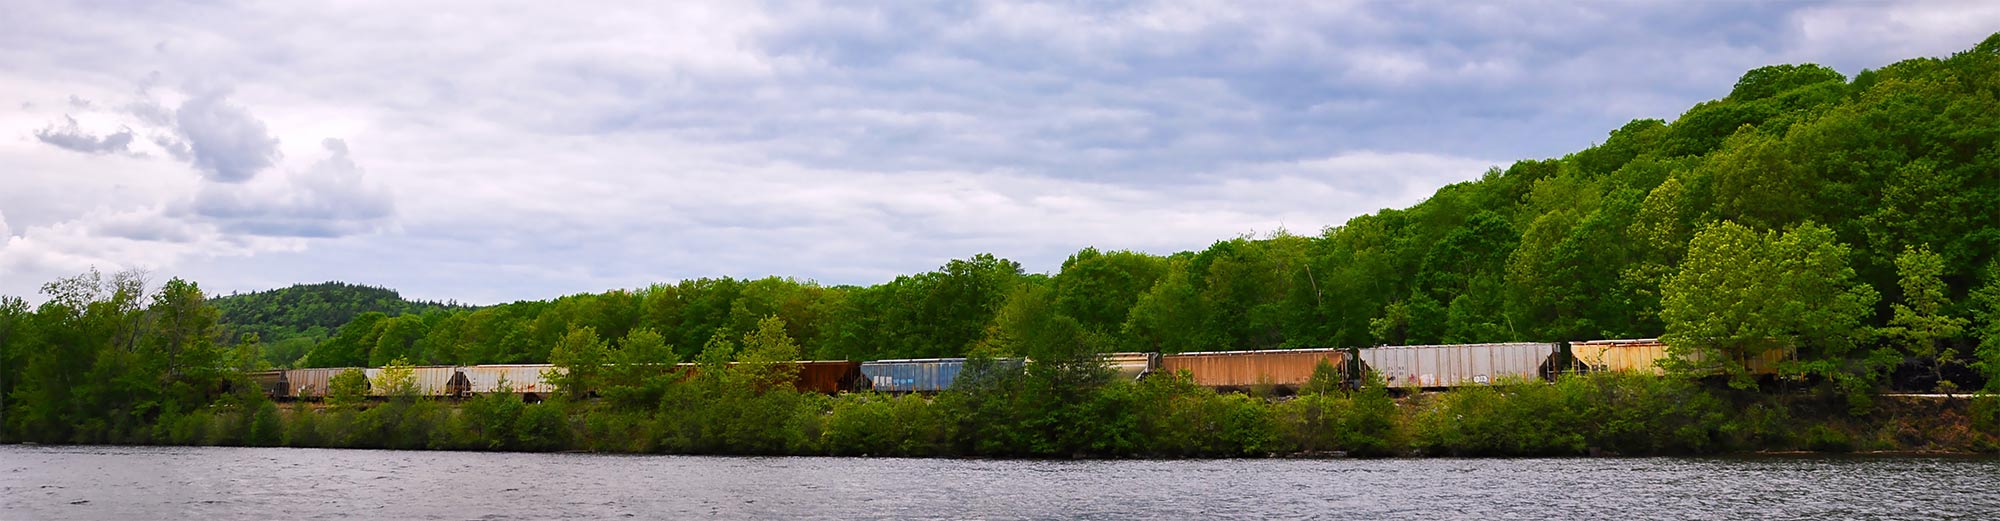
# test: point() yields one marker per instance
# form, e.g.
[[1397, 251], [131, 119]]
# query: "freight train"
[[1407, 368]]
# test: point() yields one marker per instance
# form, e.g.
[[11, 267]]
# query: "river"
[[218, 483]]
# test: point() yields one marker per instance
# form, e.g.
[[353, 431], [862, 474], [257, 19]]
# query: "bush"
[[1822, 438], [487, 422], [543, 427], [265, 429], [303, 428]]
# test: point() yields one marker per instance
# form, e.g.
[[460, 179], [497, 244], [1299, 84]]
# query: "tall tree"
[[1919, 323], [1743, 293]]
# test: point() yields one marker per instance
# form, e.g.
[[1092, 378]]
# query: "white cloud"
[[222, 140], [1871, 34]]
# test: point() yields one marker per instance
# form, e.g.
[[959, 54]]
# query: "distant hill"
[[289, 321]]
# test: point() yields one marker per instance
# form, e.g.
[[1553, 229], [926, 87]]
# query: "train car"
[[312, 383], [1644, 355], [925, 375], [431, 380], [522, 379], [1638, 355], [1132, 366], [829, 376], [1761, 365], [271, 383], [1436, 366], [1284, 368]]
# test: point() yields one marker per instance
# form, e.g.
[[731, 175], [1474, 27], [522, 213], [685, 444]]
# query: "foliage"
[[1743, 295], [1919, 323], [347, 389], [303, 314]]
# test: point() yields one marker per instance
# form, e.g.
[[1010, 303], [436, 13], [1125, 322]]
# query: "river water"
[[216, 483]]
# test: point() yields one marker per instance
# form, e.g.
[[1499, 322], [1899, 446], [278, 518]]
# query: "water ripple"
[[245, 483]]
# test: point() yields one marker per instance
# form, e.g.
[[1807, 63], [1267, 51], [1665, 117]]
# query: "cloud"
[[69, 136], [329, 199], [223, 140]]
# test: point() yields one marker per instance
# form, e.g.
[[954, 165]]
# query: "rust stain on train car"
[[1643, 355], [1637, 355], [1238, 369]]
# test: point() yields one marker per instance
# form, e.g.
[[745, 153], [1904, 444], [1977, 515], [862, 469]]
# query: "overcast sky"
[[505, 150]]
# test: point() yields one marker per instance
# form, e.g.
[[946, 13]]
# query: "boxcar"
[[1132, 366], [918, 375], [521, 379], [431, 380], [1456, 365], [1284, 368], [311, 383]]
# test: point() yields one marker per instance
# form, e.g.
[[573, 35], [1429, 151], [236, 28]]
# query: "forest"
[[1846, 222]]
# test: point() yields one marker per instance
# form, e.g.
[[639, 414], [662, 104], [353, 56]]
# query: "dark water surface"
[[212, 483]]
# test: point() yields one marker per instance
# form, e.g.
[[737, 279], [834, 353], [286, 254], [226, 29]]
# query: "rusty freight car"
[[1283, 368], [828, 376]]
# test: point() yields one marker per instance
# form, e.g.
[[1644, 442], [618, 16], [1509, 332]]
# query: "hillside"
[[293, 319]]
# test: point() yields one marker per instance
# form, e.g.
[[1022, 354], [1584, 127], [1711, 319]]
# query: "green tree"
[[1986, 310], [347, 389], [1168, 318], [1099, 289], [1743, 293], [766, 360], [1919, 324], [579, 362], [351, 345], [398, 381]]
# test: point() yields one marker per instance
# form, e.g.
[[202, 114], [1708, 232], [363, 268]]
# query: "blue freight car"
[[924, 375]]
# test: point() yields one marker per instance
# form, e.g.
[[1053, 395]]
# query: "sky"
[[487, 152]]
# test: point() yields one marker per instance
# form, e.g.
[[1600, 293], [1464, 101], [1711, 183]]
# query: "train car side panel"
[[1286, 368], [828, 376], [311, 383], [1638, 355], [431, 380], [524, 379], [1131, 366], [904, 376], [1455, 365]]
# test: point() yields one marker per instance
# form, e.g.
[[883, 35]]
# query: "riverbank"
[[1602, 415]]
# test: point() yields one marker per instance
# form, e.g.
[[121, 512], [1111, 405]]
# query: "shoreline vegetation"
[[1598, 415], [1839, 232]]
